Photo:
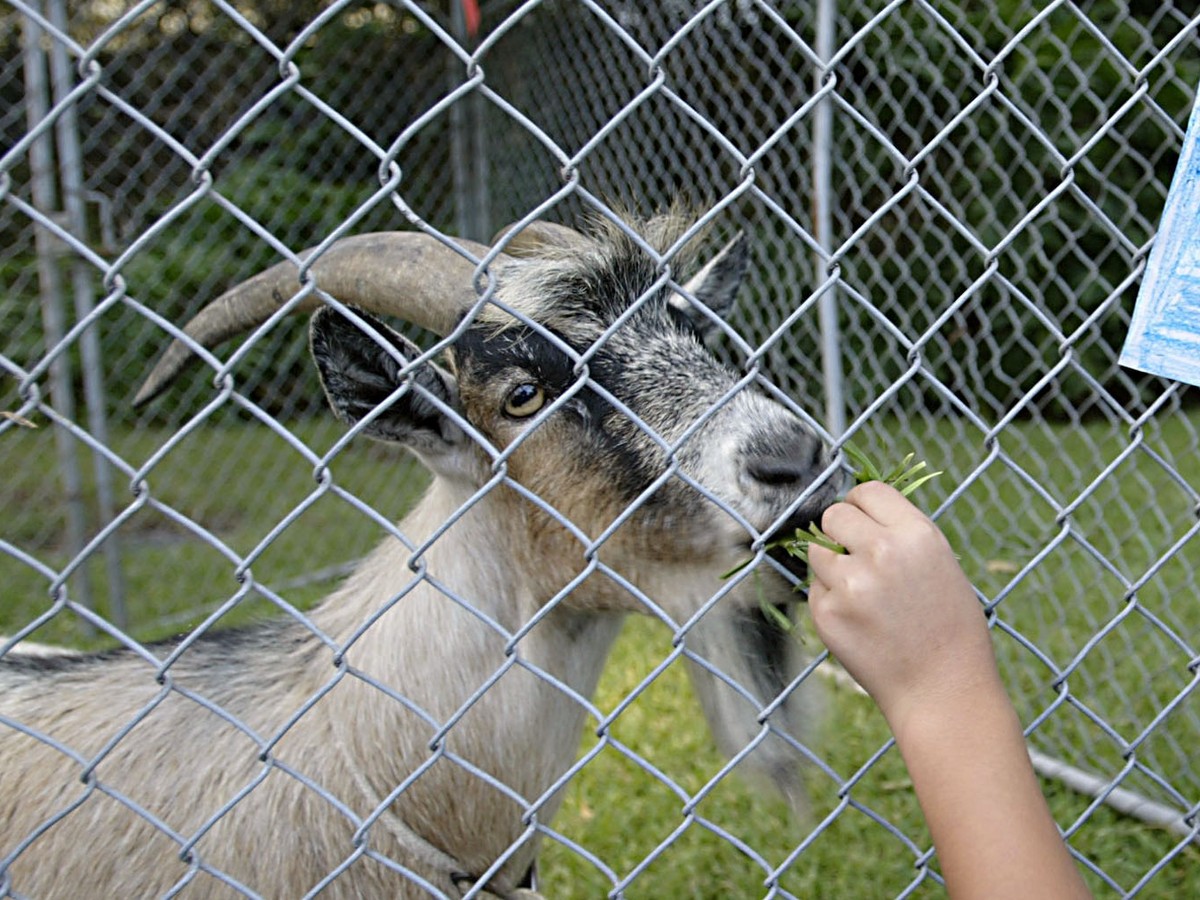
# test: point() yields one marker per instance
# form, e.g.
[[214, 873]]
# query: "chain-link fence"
[[948, 205]]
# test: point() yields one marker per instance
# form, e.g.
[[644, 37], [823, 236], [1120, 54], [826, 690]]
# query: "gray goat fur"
[[363, 757]]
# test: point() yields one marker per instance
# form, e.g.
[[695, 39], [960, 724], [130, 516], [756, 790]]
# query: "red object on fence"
[[472, 16]]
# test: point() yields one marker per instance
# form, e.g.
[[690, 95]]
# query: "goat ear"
[[716, 284], [358, 374]]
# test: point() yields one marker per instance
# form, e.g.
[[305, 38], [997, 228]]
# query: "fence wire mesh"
[[949, 207]]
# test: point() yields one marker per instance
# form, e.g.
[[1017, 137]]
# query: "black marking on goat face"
[[583, 436], [663, 379]]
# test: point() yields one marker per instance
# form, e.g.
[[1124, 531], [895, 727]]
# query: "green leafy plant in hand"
[[905, 477]]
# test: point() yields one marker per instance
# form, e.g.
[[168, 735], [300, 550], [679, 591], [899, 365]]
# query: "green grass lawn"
[[1034, 493], [236, 483]]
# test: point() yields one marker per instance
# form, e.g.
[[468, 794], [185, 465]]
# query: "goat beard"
[[741, 662]]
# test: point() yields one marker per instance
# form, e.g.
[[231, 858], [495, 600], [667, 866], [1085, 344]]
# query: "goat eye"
[[524, 400]]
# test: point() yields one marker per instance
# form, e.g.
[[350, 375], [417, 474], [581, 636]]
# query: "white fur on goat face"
[[649, 398]]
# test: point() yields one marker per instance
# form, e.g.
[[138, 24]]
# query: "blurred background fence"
[[950, 204]]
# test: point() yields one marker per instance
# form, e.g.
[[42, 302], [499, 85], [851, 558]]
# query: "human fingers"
[[883, 503], [849, 525], [821, 563]]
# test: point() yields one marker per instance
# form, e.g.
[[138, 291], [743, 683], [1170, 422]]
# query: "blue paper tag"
[[1164, 336]]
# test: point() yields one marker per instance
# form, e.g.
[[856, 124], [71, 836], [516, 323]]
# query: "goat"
[[591, 457]]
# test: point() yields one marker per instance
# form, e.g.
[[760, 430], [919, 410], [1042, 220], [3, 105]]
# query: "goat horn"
[[536, 236], [406, 274]]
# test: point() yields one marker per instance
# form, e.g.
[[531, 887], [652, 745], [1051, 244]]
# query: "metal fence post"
[[48, 249], [827, 307], [70, 163], [467, 141]]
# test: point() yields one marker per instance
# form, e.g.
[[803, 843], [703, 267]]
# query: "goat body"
[[593, 458]]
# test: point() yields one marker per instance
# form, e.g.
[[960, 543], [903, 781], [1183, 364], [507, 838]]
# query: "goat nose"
[[786, 465], [775, 472]]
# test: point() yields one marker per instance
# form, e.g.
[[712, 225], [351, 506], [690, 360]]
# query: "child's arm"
[[900, 615]]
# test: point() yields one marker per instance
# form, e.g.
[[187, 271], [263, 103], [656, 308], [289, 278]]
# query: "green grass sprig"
[[905, 477], [19, 420]]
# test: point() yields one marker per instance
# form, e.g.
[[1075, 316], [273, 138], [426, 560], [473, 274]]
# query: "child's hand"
[[896, 610]]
